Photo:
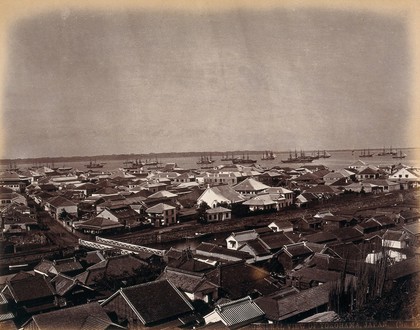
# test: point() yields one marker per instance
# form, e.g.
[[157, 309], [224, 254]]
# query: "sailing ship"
[[366, 153], [325, 154], [94, 164], [268, 155], [205, 160], [384, 152], [243, 160], [399, 155], [294, 158], [150, 162], [226, 158], [133, 164]]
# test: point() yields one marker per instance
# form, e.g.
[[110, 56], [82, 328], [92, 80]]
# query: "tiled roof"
[[250, 184], [413, 228], [64, 284], [218, 209], [155, 301], [297, 249], [256, 246], [260, 200], [308, 177], [278, 190], [321, 189], [124, 264], [107, 191], [93, 257], [59, 201], [162, 194], [245, 235], [99, 223], [321, 237], [88, 316], [275, 240], [239, 279], [44, 266], [403, 268], [119, 267], [191, 264], [314, 274], [290, 306], [347, 234], [221, 252], [228, 193], [159, 208], [30, 287], [66, 265], [368, 170], [242, 311], [184, 281], [358, 163], [394, 235]]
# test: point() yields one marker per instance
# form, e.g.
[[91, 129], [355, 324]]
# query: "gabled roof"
[[413, 228], [281, 224], [320, 237], [107, 191], [118, 267], [250, 184], [239, 279], [122, 212], [162, 194], [239, 312], [43, 267], [99, 223], [60, 201], [224, 193], [308, 177], [65, 265], [221, 252], [321, 189], [358, 163], [29, 287], [306, 274], [153, 302], [260, 200], [64, 284], [88, 316], [218, 209], [160, 208], [282, 308], [275, 240], [394, 235], [279, 190], [186, 281], [368, 170], [403, 268], [347, 234], [257, 247], [321, 173], [244, 235]]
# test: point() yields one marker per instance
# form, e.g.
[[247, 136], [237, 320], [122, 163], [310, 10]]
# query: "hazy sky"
[[96, 82]]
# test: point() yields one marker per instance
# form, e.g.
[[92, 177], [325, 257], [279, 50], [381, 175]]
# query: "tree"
[[63, 214], [202, 208]]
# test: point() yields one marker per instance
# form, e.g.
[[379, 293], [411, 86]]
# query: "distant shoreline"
[[133, 156]]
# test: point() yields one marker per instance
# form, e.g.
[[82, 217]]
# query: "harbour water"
[[338, 159]]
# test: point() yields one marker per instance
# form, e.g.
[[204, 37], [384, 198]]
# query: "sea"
[[339, 159]]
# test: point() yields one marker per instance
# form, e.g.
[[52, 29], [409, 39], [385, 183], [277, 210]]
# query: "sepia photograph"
[[201, 164]]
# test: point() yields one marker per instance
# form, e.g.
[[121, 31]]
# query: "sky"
[[91, 81]]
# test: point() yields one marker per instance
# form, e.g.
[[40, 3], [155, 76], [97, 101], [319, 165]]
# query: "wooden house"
[[149, 304]]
